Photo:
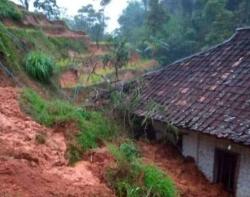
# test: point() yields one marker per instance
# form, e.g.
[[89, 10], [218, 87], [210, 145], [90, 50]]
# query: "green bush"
[[39, 66], [93, 127], [158, 182], [130, 151], [132, 178], [9, 10]]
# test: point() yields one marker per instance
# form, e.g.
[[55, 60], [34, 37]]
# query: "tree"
[[49, 7], [157, 17], [119, 55], [243, 13], [132, 22], [91, 21], [25, 3], [173, 29], [145, 3]]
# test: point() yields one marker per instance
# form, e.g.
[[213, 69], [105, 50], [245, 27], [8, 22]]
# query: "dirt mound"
[[69, 78], [29, 168], [101, 159], [189, 180]]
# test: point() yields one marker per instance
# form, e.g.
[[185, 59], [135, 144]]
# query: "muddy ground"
[[188, 179], [28, 168]]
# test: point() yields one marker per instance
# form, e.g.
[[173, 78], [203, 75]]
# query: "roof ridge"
[[243, 28]]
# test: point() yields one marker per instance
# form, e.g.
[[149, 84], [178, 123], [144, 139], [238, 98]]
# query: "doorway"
[[225, 169]]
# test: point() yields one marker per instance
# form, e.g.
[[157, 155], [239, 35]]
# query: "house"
[[207, 96]]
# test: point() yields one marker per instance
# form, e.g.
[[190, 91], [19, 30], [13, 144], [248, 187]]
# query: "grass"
[[8, 48], [29, 39], [39, 66], [65, 44], [133, 178], [9, 10], [93, 128]]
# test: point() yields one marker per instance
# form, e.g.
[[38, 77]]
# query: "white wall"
[[202, 147]]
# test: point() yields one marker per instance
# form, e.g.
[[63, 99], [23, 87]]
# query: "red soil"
[[69, 78], [31, 169], [188, 179]]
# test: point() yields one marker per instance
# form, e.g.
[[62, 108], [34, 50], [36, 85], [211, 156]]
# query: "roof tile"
[[207, 92]]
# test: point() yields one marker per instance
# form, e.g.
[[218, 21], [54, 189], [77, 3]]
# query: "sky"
[[113, 10]]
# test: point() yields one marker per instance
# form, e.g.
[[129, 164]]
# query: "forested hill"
[[172, 29]]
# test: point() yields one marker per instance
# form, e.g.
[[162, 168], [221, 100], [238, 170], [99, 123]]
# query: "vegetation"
[[48, 7], [64, 44], [92, 127], [90, 21], [39, 66], [16, 44], [7, 47], [169, 30], [119, 55], [9, 10], [133, 178], [37, 40]]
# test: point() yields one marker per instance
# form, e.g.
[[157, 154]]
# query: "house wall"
[[202, 148]]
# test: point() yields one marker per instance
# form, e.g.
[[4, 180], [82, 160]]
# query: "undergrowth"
[[8, 49], [65, 44], [133, 178], [93, 128], [39, 66], [19, 41], [9, 10]]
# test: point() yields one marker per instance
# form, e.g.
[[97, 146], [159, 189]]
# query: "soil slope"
[[31, 169]]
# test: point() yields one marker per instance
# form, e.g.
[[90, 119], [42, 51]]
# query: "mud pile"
[[28, 168], [188, 179]]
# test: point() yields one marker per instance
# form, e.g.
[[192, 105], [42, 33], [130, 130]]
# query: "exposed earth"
[[188, 179], [31, 169], [28, 168]]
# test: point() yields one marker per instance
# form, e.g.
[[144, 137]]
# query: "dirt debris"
[[188, 179], [28, 168]]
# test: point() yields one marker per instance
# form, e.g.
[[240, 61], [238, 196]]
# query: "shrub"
[[9, 10], [39, 66], [92, 126], [158, 182], [132, 178], [130, 151]]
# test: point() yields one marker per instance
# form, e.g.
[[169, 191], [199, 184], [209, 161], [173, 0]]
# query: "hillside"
[[69, 49], [55, 140]]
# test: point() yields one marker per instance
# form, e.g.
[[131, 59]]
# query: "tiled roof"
[[207, 92]]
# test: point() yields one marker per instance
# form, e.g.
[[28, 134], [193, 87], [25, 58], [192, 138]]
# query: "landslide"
[[187, 177], [32, 169]]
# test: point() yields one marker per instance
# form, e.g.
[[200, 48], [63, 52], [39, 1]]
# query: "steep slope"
[[28, 168]]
